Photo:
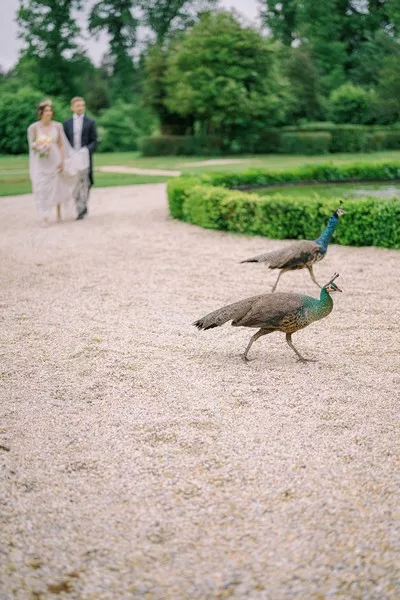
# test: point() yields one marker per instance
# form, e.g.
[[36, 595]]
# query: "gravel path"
[[142, 459]]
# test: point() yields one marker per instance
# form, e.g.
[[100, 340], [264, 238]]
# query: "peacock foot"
[[245, 359]]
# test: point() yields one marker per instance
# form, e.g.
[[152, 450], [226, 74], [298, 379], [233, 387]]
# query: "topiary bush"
[[209, 202]]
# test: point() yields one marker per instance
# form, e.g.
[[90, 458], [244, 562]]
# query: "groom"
[[81, 131]]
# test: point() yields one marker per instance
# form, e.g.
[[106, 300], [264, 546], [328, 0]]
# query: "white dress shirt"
[[78, 124]]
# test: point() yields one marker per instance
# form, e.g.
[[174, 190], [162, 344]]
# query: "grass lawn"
[[14, 176]]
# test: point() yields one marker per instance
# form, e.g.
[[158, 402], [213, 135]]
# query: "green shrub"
[[383, 140], [162, 145], [269, 141], [177, 145], [352, 104], [305, 143], [178, 189], [311, 173], [350, 138], [392, 140], [121, 126], [208, 202], [316, 126], [17, 112], [203, 207], [313, 138]]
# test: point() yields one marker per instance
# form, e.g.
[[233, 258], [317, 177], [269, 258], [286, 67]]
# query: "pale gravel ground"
[[146, 460]]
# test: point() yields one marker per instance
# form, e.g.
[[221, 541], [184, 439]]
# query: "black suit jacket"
[[88, 138]]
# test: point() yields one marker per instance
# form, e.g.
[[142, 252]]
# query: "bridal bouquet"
[[42, 145]]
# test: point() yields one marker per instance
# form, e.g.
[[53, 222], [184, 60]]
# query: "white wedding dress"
[[50, 185]]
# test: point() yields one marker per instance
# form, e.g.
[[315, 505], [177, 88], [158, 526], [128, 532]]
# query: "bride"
[[54, 166]]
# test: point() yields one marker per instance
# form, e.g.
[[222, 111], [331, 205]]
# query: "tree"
[[342, 37], [165, 17], [49, 32], [225, 76], [116, 18], [154, 93], [393, 8], [369, 59], [282, 18], [303, 76], [389, 89], [122, 125]]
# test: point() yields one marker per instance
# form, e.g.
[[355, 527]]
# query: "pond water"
[[341, 190]]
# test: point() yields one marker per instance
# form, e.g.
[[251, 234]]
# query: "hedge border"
[[285, 140], [214, 201]]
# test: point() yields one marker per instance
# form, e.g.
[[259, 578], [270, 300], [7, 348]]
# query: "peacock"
[[274, 312], [300, 254]]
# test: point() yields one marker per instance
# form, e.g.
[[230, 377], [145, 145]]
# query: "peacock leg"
[[310, 270], [253, 338], [301, 358], [276, 282]]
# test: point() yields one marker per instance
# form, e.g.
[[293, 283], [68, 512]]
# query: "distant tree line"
[[186, 67]]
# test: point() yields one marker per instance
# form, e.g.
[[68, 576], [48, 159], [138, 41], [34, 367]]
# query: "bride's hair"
[[42, 105]]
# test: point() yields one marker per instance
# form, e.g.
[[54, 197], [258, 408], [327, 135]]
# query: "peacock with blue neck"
[[274, 312], [328, 232], [300, 254]]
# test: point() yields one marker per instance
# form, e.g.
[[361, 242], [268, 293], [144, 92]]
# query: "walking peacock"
[[274, 312], [300, 254]]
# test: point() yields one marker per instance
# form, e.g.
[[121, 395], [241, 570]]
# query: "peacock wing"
[[269, 310], [234, 311], [297, 254]]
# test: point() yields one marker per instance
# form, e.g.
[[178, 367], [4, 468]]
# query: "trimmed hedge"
[[350, 138], [370, 221], [306, 143], [178, 145], [311, 173], [313, 139]]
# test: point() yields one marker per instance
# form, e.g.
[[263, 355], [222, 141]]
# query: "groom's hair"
[[77, 99], [44, 104]]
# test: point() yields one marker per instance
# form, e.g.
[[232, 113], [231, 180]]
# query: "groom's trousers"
[[82, 193]]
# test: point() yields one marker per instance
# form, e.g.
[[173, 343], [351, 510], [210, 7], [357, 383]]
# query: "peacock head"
[[332, 287], [339, 211]]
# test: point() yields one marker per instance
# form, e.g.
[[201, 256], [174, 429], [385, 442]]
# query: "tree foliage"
[[347, 39], [123, 124], [49, 32], [17, 112], [282, 19], [304, 84], [205, 75], [226, 76], [116, 18], [166, 17]]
